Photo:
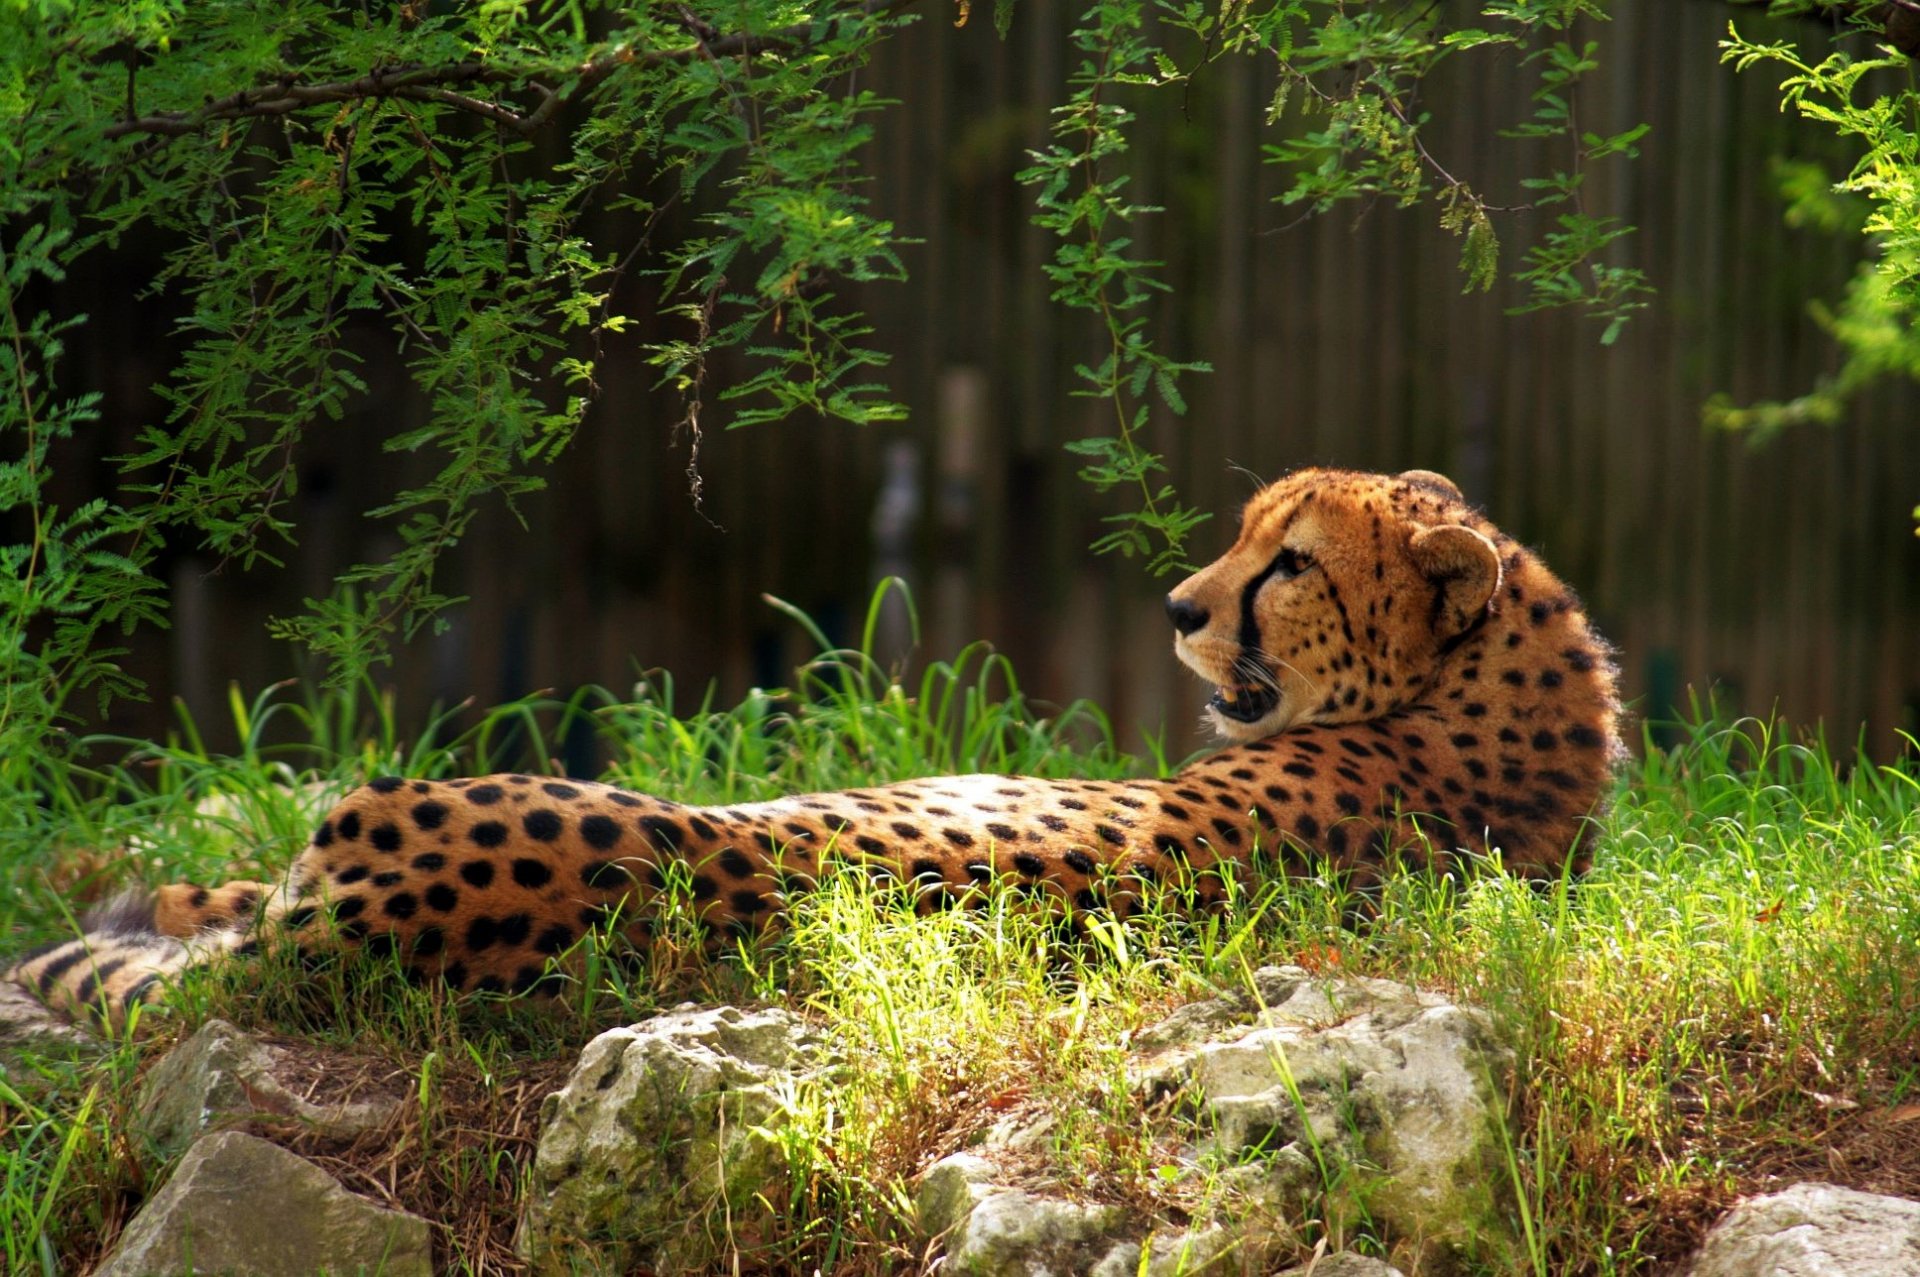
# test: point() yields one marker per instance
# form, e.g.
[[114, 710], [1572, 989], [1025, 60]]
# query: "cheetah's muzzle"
[[1245, 702]]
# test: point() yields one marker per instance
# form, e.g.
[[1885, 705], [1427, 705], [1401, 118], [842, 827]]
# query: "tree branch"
[[442, 84]]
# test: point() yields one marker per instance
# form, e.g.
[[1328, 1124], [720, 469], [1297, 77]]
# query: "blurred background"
[[1787, 576]]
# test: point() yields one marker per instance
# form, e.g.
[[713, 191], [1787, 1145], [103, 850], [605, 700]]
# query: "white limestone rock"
[[1396, 1093], [662, 1145], [1814, 1230]]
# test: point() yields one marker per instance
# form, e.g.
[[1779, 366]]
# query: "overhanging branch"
[[443, 84]]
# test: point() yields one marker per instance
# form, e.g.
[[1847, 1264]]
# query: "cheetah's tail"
[[132, 946]]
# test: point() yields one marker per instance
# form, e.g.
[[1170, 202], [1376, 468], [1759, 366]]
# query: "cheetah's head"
[[1338, 601]]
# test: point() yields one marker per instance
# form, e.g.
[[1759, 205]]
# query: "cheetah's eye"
[[1291, 563]]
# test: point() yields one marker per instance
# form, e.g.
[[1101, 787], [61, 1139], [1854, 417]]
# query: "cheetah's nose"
[[1186, 617]]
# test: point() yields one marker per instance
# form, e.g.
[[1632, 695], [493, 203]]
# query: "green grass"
[[1731, 997]]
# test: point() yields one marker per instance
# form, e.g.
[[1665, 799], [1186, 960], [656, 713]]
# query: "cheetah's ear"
[[1433, 481], [1465, 571]]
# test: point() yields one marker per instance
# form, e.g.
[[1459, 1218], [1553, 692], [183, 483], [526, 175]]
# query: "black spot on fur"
[[430, 862], [429, 815], [600, 832], [554, 940], [485, 795], [349, 826], [386, 784], [1030, 865], [402, 904], [323, 836], [1078, 860], [542, 825], [488, 833], [385, 837], [531, 873], [666, 835], [603, 875], [442, 897], [350, 875], [478, 873], [554, 789], [734, 863]]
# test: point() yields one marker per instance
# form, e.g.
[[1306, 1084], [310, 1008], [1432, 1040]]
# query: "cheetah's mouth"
[[1244, 702]]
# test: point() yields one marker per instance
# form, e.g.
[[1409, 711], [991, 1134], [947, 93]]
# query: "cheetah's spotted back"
[[1401, 679]]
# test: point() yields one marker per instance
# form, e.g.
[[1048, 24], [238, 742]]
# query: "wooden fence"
[[1788, 576]]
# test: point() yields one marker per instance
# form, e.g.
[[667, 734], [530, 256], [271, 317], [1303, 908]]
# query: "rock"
[[1010, 1233], [993, 1230], [663, 1142], [239, 1205], [1345, 1264], [221, 1075], [1814, 1230], [1376, 1097], [950, 1189]]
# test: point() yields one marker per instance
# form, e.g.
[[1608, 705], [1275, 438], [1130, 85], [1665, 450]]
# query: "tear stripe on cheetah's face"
[[1433, 687]]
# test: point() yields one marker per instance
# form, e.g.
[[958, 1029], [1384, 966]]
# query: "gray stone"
[[663, 1144], [950, 1189], [1382, 1099], [221, 1075], [1347, 1100], [993, 1230], [241, 1206], [1814, 1230], [1010, 1233], [1344, 1264]]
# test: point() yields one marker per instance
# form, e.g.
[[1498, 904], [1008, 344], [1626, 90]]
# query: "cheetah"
[[1397, 680]]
